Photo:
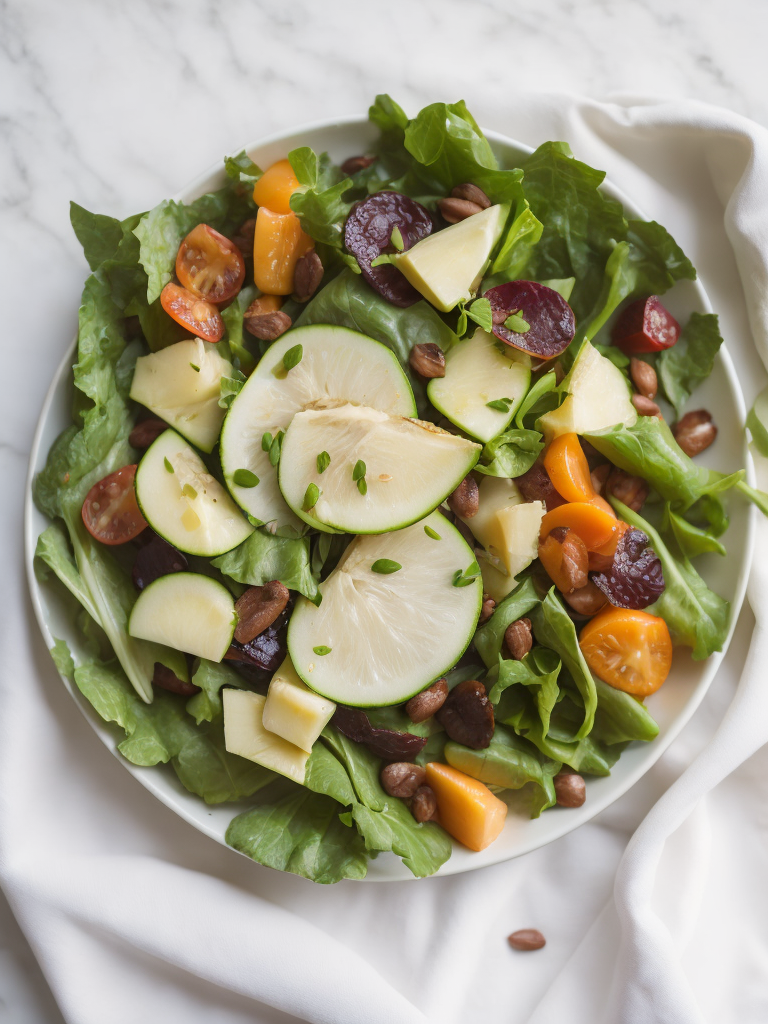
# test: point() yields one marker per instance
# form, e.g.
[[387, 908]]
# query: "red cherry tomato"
[[209, 265], [198, 316], [645, 326], [110, 510]]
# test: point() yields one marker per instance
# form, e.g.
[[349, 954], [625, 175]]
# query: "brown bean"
[[518, 638], [487, 609], [307, 276], [258, 608], [695, 432], [454, 210], [243, 237], [465, 500], [599, 475], [526, 939], [472, 194], [353, 164], [267, 326], [144, 433], [643, 377], [645, 406], [425, 704], [467, 715], [402, 779], [535, 485], [427, 360], [168, 680], [630, 490], [424, 804], [565, 557], [587, 600], [570, 789]]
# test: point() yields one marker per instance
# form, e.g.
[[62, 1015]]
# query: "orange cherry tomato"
[[602, 559], [568, 468], [209, 265], [110, 510], [593, 524], [198, 316], [275, 187], [629, 650], [278, 242]]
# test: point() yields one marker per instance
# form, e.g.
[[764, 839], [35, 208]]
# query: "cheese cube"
[[293, 711], [245, 734]]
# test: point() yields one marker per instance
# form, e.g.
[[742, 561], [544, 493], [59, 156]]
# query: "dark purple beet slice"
[[635, 579], [154, 559], [267, 650], [385, 743], [368, 234], [551, 320]]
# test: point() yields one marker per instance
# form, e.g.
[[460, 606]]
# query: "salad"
[[368, 515]]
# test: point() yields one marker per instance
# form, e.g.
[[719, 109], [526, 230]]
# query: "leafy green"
[[691, 539], [620, 717], [648, 262], [62, 658], [510, 454], [53, 551], [160, 232], [299, 831], [516, 248], [533, 404], [349, 302], [211, 677], [235, 336], [554, 628], [263, 557], [757, 421], [242, 169], [230, 388], [319, 203], [696, 616], [538, 671], [101, 237], [689, 362], [510, 762], [490, 636]]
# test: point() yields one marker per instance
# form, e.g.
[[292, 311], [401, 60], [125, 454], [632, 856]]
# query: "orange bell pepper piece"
[[278, 242]]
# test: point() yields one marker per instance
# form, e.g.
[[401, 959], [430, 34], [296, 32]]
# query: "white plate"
[[672, 706]]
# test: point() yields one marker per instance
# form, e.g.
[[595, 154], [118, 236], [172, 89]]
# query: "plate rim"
[[150, 779]]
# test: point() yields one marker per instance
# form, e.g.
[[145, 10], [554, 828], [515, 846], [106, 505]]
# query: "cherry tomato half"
[[629, 650], [198, 316], [209, 265], [110, 510]]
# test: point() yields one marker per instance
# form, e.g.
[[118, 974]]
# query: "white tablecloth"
[[654, 912]]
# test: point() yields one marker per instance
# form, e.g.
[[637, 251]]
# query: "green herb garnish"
[[322, 650], [245, 478], [293, 357], [266, 442], [189, 491], [385, 566], [323, 462], [311, 496], [195, 368], [515, 322], [396, 238], [467, 576], [432, 533], [500, 404], [358, 475], [168, 466], [276, 447]]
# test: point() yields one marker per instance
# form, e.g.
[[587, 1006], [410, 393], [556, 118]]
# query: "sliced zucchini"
[[182, 385], [477, 372], [385, 472], [187, 611], [392, 617], [182, 501], [337, 366]]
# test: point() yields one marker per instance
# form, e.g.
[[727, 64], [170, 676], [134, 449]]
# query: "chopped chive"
[[432, 533], [323, 462], [322, 650], [245, 478], [293, 357], [168, 466], [396, 238], [189, 491], [500, 405], [362, 486], [480, 311], [311, 496], [275, 448], [359, 470], [463, 578], [195, 368], [266, 442], [385, 566]]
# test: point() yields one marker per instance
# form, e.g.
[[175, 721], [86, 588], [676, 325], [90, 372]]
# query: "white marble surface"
[[117, 105]]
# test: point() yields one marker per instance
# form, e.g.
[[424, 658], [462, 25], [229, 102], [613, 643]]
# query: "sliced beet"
[[267, 650], [388, 744], [156, 558], [368, 234], [551, 323], [635, 578], [645, 326]]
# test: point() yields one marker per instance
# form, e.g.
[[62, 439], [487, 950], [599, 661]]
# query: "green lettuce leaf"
[[489, 638], [516, 248], [235, 334], [620, 717], [510, 454], [53, 552], [689, 362], [242, 170], [264, 557], [554, 628], [349, 302], [211, 676], [538, 671], [296, 830], [696, 616]]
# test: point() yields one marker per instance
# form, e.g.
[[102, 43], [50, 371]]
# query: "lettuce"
[[538, 671], [510, 454], [263, 557], [489, 638], [689, 362]]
